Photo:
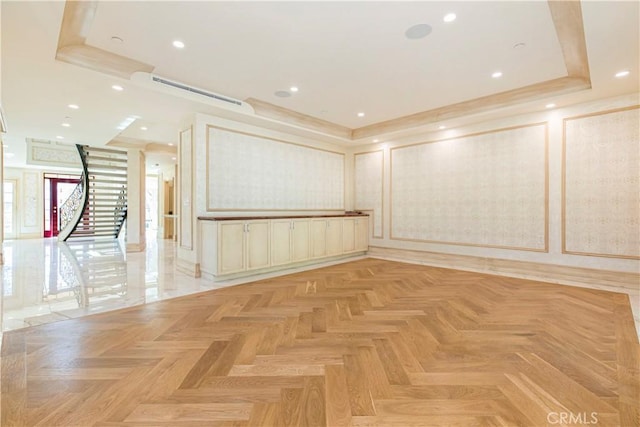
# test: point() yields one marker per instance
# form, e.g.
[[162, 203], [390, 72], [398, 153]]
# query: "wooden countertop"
[[248, 218]]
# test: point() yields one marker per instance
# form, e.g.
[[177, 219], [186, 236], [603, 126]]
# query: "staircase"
[[98, 205]]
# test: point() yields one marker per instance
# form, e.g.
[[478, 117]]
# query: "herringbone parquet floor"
[[366, 343]]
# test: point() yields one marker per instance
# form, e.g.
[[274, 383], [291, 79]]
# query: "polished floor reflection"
[[44, 280]]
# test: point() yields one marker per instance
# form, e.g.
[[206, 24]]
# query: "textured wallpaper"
[[602, 186], [485, 190], [31, 191], [248, 172], [368, 171]]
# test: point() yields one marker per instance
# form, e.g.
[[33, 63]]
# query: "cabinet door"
[[334, 236], [362, 234], [257, 244], [280, 241], [231, 245], [300, 239], [318, 238], [348, 235]]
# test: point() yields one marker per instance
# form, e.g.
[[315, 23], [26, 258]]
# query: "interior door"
[[56, 192]]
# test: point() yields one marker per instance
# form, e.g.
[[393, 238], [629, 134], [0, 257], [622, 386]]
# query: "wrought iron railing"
[[75, 201], [76, 214], [120, 212]]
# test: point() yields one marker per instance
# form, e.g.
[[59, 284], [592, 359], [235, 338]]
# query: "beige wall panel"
[[31, 212], [487, 190], [249, 172], [369, 178], [601, 170]]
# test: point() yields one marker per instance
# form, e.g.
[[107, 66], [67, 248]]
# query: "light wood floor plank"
[[365, 343]]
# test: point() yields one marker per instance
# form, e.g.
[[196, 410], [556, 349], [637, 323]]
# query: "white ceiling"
[[345, 57]]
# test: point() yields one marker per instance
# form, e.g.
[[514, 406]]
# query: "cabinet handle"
[[293, 225]]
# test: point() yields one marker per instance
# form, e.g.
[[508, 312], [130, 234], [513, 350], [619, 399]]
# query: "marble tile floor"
[[46, 281]]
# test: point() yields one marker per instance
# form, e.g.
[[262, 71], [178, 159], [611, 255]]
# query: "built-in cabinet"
[[243, 246], [355, 234]]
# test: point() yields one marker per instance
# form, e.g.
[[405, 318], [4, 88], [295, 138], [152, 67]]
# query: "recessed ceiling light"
[[117, 87], [171, 144], [418, 31], [376, 140], [497, 74], [143, 128], [449, 17], [173, 158], [442, 127], [178, 44], [360, 114], [59, 137], [623, 73], [293, 88], [73, 106], [551, 105], [282, 93], [66, 125]]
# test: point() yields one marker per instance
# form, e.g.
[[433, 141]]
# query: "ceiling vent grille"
[[195, 90]]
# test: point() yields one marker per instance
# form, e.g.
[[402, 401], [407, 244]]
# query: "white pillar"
[[136, 193]]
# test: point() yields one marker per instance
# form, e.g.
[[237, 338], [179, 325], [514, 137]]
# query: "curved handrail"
[[121, 209], [73, 222], [70, 206]]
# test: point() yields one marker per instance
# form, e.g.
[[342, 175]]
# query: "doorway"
[[10, 229], [56, 191]]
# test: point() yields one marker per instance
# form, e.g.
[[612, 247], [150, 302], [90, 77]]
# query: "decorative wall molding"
[[72, 48], [487, 189], [190, 268], [599, 279], [136, 247], [600, 184], [185, 200], [567, 19], [247, 172], [368, 170], [271, 111], [31, 184], [50, 153]]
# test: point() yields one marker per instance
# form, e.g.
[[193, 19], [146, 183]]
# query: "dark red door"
[[56, 192]]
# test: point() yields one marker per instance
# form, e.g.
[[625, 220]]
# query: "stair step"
[[93, 233], [106, 159], [115, 175], [92, 221], [116, 187], [104, 197], [89, 149], [92, 167], [113, 191], [100, 206], [106, 181]]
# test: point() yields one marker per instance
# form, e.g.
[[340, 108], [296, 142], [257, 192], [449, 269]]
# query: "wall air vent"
[[195, 90]]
